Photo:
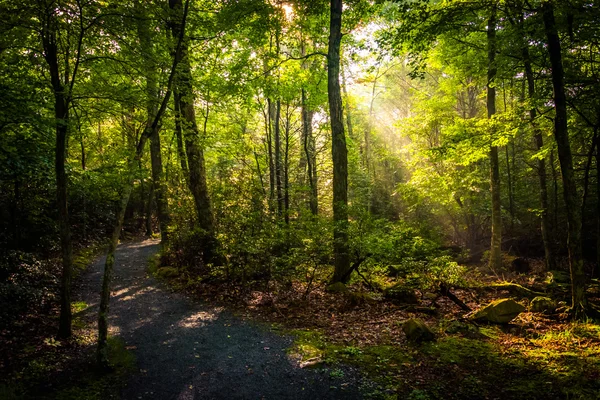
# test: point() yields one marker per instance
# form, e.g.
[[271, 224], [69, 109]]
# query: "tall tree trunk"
[[61, 116], [102, 348], [195, 154], [270, 115], [496, 244], [539, 143], [308, 142], [578, 281], [278, 164], [338, 147], [286, 168]]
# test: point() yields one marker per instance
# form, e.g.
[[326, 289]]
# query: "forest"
[[290, 199]]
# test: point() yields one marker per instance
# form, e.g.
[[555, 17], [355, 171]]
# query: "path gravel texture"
[[186, 350]]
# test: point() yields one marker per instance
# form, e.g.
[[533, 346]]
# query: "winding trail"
[[187, 350]]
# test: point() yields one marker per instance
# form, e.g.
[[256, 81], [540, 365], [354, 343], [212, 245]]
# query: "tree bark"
[[496, 243], [578, 281], [338, 146], [539, 143], [193, 146], [61, 116]]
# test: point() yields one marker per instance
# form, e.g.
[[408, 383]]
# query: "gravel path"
[[187, 350]]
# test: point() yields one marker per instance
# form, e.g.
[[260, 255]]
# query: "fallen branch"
[[445, 291], [513, 288]]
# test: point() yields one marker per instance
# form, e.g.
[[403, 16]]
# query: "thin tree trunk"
[[268, 120], [496, 244], [278, 165], [286, 168], [578, 280], [338, 146]]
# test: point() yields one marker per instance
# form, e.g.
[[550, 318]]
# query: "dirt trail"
[[186, 350]]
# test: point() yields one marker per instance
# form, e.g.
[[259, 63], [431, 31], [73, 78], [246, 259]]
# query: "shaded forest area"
[[408, 187]]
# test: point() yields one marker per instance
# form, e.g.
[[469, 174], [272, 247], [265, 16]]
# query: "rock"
[[416, 330], [542, 304], [167, 272], [499, 312], [559, 277], [402, 294], [360, 298], [465, 329], [337, 287], [520, 265]]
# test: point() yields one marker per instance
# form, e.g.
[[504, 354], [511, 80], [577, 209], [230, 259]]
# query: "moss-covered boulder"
[[542, 304], [401, 294], [499, 312], [337, 287], [417, 331], [167, 272]]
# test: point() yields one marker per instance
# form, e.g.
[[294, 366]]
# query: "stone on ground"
[[417, 331], [499, 312], [543, 304]]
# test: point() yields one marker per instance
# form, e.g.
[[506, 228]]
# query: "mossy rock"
[[402, 294], [167, 272], [499, 312], [337, 287], [542, 304], [360, 298], [417, 331]]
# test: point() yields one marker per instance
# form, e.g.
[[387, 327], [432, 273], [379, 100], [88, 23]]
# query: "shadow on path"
[[195, 351]]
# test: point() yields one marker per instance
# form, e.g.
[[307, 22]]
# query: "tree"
[[561, 135], [338, 146]]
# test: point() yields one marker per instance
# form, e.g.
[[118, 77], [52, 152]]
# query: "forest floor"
[[185, 339]]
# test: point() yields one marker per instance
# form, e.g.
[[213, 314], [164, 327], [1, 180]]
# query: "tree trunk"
[[308, 143], [180, 148], [61, 115], [496, 244], [578, 281], [193, 145], [539, 143], [278, 164], [286, 169], [338, 146]]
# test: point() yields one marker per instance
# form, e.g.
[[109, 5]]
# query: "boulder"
[[499, 312], [337, 287], [416, 330], [167, 272], [542, 304], [402, 294]]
